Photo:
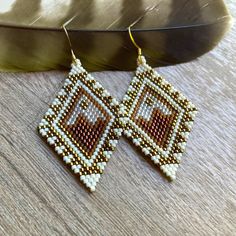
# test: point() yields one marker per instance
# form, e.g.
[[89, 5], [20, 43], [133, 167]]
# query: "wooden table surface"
[[39, 196]]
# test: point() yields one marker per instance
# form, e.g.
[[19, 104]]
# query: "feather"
[[169, 32]]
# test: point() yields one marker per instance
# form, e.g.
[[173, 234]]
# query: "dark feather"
[[169, 31]]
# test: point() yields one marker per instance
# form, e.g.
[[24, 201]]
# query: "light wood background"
[[39, 196]]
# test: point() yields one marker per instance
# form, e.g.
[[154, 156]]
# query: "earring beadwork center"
[[159, 118], [83, 124]]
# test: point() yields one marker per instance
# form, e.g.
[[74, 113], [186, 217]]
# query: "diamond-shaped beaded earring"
[[83, 124], [159, 117]]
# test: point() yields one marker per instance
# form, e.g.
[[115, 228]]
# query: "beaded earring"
[[159, 117], [83, 123]]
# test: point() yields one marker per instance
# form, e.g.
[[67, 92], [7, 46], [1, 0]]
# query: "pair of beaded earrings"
[[84, 122]]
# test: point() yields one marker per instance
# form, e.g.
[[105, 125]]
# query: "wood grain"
[[39, 196]]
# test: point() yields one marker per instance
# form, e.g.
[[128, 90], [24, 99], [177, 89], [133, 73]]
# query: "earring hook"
[[130, 33], [68, 37], [134, 42]]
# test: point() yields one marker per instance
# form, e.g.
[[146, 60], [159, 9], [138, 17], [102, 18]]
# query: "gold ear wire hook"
[[133, 41], [130, 33], [68, 38]]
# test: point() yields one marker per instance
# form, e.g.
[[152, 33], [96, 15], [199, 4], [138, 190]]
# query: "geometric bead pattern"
[[159, 118], [83, 124]]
